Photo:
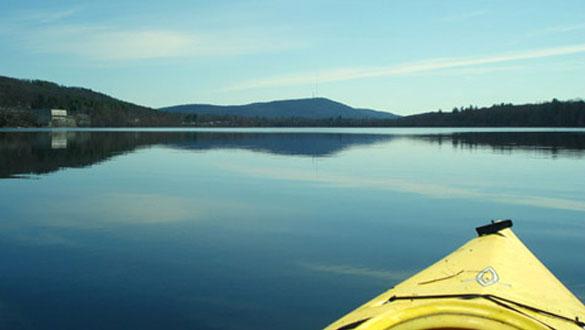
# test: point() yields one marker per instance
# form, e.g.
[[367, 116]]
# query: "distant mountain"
[[313, 108], [19, 98]]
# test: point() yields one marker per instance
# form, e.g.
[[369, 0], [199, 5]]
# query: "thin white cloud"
[[464, 16], [50, 17], [38, 16], [568, 28], [102, 43], [107, 43], [49, 32], [477, 70], [558, 29], [344, 74]]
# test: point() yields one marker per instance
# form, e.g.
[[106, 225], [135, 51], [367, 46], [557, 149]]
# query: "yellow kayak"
[[491, 282]]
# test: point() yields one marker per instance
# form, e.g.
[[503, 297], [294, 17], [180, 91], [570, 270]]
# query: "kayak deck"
[[491, 282]]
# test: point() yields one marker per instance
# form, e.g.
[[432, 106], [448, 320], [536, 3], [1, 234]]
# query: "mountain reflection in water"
[[41, 152]]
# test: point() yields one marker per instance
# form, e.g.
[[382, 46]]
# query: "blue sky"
[[399, 56]]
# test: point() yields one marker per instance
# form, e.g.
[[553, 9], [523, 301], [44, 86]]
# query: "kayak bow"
[[491, 282]]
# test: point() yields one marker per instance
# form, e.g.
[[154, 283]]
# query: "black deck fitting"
[[493, 227]]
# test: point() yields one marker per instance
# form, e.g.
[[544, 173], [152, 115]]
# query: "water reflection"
[[43, 152], [211, 230], [548, 143], [418, 186], [350, 270]]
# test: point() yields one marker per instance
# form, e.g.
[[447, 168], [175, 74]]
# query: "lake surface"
[[264, 229]]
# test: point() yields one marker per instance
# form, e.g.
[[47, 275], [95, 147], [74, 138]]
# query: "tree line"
[[19, 98], [547, 114]]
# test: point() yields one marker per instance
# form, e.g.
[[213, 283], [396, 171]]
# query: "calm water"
[[261, 229]]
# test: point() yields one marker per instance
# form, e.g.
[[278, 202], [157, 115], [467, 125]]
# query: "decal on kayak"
[[487, 276]]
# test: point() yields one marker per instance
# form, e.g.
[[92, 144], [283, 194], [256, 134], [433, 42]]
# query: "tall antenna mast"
[[317, 84]]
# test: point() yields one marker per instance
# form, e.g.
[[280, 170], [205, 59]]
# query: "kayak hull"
[[491, 282]]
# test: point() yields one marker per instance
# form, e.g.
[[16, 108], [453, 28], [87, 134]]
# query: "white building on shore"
[[54, 117]]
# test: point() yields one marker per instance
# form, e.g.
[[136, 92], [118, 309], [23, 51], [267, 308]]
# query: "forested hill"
[[548, 114], [311, 108], [18, 97]]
